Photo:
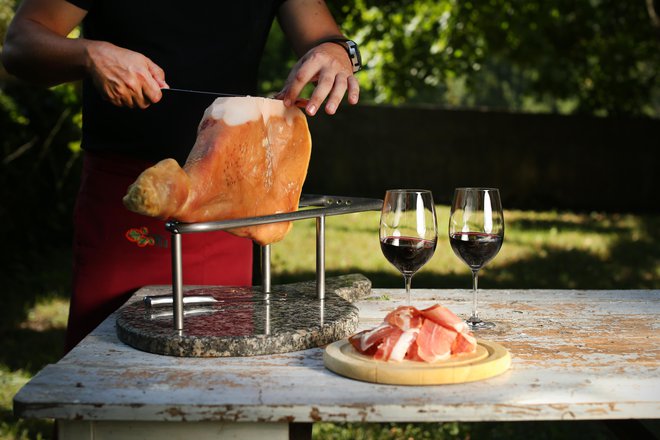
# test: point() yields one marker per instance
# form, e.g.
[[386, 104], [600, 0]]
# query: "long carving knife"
[[300, 102], [196, 300]]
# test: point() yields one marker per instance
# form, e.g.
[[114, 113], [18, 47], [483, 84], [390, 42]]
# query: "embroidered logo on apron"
[[142, 238]]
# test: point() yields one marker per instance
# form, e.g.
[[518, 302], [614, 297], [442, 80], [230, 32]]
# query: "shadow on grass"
[[31, 350], [543, 430], [32, 275], [24, 428], [593, 227]]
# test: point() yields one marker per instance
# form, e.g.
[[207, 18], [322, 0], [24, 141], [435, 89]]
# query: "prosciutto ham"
[[250, 159], [427, 335]]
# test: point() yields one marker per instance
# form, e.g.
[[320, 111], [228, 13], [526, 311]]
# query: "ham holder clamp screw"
[[316, 206]]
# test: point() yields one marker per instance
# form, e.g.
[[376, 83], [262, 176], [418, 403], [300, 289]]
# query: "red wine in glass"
[[476, 233], [408, 231], [408, 254], [475, 248]]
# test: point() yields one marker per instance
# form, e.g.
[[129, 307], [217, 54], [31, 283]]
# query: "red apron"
[[116, 251]]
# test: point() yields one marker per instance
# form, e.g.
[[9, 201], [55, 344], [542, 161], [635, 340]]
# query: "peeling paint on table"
[[576, 355]]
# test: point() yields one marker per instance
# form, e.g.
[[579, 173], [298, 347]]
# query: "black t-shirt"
[[210, 46]]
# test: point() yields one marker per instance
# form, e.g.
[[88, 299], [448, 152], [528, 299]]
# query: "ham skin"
[[406, 333], [250, 159]]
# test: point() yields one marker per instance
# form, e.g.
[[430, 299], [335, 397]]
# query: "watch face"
[[354, 53]]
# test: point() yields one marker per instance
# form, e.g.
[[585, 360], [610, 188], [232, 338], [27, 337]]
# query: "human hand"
[[124, 77], [330, 68]]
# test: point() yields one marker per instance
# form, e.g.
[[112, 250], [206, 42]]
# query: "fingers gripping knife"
[[319, 206]]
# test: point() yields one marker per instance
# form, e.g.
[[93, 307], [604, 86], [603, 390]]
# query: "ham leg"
[[250, 159]]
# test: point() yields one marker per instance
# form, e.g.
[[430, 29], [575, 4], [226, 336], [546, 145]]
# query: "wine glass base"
[[480, 325]]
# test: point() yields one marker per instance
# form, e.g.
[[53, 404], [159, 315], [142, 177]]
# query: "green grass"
[[450, 431], [541, 250]]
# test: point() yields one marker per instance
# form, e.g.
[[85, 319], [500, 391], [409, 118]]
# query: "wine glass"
[[408, 231], [476, 232]]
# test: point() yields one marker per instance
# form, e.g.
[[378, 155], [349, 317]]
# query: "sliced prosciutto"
[[445, 317], [368, 339], [464, 343], [405, 317], [435, 341], [403, 344], [428, 335], [387, 345]]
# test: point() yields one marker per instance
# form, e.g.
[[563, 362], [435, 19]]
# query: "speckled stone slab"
[[245, 321]]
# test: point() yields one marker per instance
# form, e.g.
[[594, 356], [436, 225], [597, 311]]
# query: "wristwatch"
[[351, 48]]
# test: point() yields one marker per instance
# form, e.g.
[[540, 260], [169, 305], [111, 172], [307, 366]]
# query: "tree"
[[590, 56], [39, 146]]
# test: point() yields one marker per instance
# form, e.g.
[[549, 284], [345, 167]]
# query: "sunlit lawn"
[[541, 250]]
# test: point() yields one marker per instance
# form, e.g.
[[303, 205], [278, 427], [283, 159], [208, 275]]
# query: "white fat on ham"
[[403, 344], [247, 108], [367, 339]]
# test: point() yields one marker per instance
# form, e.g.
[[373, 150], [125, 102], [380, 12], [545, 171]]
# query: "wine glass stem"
[[407, 278], [475, 279]]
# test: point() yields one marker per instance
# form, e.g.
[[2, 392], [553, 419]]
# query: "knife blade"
[[300, 102]]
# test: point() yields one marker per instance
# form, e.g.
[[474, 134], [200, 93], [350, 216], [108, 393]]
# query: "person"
[[131, 51]]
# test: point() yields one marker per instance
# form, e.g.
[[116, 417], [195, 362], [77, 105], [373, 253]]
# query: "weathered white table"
[[575, 355]]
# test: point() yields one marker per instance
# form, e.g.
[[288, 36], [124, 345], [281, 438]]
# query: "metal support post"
[[177, 281], [265, 268], [265, 283], [320, 256]]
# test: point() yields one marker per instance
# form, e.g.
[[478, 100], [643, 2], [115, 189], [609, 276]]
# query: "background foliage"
[[589, 56], [596, 57], [39, 149]]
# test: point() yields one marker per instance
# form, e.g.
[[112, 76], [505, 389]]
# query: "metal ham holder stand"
[[243, 320], [320, 206]]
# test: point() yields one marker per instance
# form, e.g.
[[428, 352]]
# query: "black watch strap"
[[351, 48]]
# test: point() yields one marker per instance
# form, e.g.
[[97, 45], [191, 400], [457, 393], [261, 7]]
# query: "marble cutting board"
[[245, 321]]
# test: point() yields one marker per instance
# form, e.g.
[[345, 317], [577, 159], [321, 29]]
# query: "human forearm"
[[37, 49], [306, 22], [37, 54], [124, 77]]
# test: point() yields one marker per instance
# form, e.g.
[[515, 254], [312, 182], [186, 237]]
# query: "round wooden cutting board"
[[489, 360]]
